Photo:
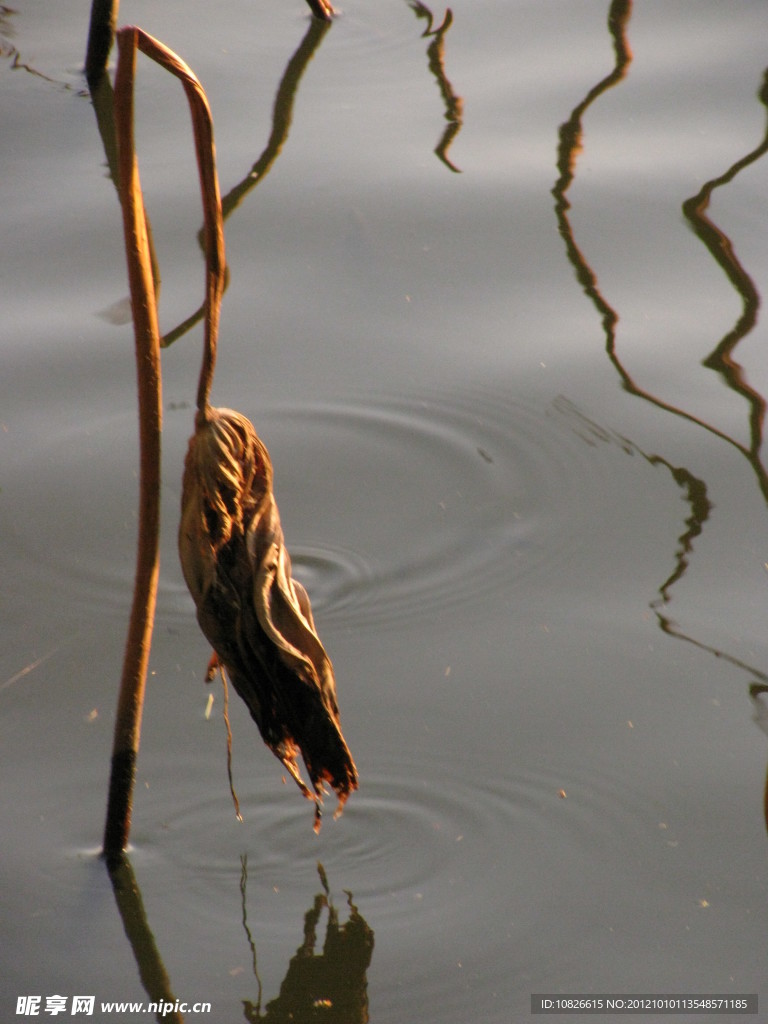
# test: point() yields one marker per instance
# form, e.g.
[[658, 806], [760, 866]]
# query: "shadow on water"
[[332, 983], [721, 359]]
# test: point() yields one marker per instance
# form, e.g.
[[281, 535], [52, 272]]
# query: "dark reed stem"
[[321, 9], [101, 33]]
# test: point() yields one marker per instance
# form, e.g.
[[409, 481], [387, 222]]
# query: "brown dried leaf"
[[255, 615]]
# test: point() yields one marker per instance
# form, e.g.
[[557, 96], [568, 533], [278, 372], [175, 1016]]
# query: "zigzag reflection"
[[721, 359], [454, 105]]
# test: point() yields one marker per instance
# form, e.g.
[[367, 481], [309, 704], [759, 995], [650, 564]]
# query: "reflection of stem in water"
[[281, 123], [721, 359], [720, 247], [251, 943], [282, 114], [694, 495], [454, 105], [570, 145], [101, 35], [329, 986], [760, 718], [571, 134], [151, 970], [102, 97], [8, 51], [715, 240], [101, 32]]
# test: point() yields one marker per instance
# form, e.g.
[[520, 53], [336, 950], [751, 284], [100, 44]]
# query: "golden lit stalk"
[[205, 151], [147, 338]]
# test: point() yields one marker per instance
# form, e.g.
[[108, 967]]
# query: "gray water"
[[494, 308]]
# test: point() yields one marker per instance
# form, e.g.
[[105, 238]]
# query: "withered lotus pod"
[[254, 614]]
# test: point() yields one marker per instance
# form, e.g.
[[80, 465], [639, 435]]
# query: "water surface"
[[494, 306]]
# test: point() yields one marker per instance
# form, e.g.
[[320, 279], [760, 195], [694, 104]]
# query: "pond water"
[[494, 299]]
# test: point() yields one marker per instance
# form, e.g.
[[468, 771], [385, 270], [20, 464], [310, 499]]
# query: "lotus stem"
[[147, 341], [147, 336], [205, 151]]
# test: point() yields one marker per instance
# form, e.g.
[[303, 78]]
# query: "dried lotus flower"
[[255, 615]]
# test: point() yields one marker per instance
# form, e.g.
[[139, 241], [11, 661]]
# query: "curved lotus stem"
[[205, 150], [147, 336], [256, 617]]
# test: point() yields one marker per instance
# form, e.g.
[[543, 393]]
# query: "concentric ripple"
[[437, 841], [393, 507], [423, 502]]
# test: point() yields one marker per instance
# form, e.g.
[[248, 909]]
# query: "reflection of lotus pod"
[[255, 616], [330, 985]]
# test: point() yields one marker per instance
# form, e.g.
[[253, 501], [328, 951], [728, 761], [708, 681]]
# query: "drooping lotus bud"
[[254, 614]]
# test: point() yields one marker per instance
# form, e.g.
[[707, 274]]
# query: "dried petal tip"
[[255, 616]]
